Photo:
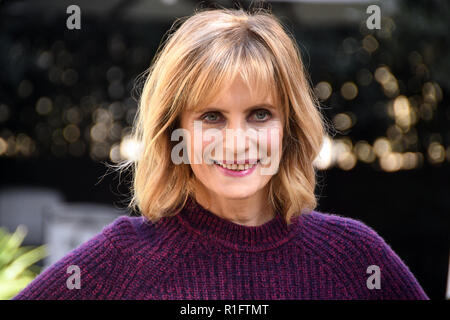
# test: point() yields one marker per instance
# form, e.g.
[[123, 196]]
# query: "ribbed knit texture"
[[199, 255]]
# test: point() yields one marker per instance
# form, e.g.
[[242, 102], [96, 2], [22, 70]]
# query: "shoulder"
[[351, 250], [345, 239], [124, 232], [134, 237], [328, 228]]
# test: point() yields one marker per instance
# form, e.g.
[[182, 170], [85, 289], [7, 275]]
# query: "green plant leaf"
[[8, 289], [17, 263], [16, 267]]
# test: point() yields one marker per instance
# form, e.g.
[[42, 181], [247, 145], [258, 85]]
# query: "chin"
[[237, 192]]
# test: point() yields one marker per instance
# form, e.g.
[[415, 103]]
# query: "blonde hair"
[[206, 51]]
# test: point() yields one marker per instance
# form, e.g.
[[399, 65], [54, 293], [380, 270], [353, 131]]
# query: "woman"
[[226, 218]]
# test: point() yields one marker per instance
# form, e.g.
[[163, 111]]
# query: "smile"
[[236, 170]]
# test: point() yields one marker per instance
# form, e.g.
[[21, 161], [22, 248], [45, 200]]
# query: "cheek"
[[198, 148]]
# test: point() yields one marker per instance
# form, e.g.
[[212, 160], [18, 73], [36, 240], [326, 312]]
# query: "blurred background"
[[68, 100]]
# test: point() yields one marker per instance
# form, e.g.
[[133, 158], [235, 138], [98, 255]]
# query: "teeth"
[[235, 167]]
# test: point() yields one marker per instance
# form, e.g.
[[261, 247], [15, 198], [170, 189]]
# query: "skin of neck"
[[251, 211]]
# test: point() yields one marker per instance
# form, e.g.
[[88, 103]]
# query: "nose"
[[236, 144], [236, 122]]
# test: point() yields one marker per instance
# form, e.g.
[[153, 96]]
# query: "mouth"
[[237, 166], [235, 169]]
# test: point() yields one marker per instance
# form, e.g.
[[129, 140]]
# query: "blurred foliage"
[[17, 263]]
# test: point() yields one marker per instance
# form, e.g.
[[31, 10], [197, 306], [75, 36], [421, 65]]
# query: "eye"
[[212, 117], [261, 115]]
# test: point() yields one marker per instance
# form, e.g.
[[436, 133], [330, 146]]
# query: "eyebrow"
[[257, 106]]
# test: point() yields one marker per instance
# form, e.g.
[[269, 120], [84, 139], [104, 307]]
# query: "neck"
[[251, 211], [209, 226]]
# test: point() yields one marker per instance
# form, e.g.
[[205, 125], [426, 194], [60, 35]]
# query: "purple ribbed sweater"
[[198, 255]]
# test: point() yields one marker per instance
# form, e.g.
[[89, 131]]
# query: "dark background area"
[[54, 80]]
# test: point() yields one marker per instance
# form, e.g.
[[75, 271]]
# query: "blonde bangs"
[[252, 61]]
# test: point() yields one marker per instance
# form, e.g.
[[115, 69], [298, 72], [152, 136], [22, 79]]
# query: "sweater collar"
[[239, 237]]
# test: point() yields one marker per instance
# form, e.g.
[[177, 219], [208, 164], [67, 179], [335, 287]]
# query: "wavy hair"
[[201, 54]]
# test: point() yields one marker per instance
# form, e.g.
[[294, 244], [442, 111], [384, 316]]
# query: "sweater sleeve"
[[382, 273], [397, 282], [361, 260], [90, 271]]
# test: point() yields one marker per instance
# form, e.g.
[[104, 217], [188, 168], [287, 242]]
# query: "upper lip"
[[247, 161]]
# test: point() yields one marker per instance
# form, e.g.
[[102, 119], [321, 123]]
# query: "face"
[[235, 143]]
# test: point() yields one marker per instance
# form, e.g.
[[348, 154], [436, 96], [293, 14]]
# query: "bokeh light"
[[349, 90], [323, 90]]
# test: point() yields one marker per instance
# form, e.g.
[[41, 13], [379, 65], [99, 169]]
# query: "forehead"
[[237, 94]]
